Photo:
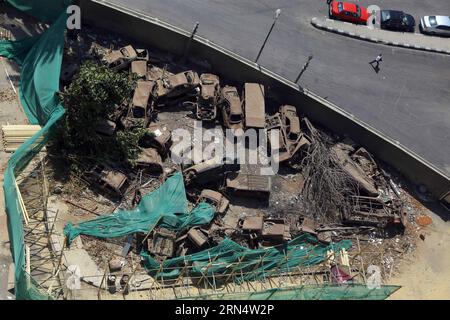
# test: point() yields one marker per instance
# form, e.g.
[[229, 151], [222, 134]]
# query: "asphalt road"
[[409, 99]]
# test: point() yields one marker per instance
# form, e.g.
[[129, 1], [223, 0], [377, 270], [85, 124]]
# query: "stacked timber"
[[15, 135]]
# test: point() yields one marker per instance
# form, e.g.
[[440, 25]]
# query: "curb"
[[316, 23]]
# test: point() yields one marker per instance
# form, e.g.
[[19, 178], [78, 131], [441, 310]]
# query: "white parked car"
[[435, 25]]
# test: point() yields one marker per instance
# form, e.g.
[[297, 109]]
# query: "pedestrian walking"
[[377, 60]]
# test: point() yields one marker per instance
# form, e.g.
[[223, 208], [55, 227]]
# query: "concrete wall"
[[161, 35]]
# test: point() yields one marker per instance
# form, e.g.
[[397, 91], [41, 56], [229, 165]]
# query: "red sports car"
[[348, 11]]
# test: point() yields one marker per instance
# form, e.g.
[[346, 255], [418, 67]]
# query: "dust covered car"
[[111, 180], [216, 199], [141, 103], [209, 97], [208, 171], [159, 137], [231, 105], [150, 160], [120, 59], [249, 185], [176, 85], [290, 137], [291, 122]]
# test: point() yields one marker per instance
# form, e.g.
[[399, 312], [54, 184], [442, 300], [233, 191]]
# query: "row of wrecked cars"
[[157, 88]]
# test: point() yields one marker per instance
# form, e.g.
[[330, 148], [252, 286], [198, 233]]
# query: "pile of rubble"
[[375, 203]]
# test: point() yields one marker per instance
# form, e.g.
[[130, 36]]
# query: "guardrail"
[[164, 36]]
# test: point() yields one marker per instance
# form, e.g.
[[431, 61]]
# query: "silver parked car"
[[435, 25]]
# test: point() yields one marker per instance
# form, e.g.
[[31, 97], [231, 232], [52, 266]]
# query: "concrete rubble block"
[[90, 272]]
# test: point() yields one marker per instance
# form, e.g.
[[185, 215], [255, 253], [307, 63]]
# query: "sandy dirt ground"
[[426, 275]]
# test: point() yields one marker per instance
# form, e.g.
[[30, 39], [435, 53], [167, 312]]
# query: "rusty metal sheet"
[[254, 105]]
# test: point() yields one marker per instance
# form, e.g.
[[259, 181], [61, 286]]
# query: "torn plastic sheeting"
[[167, 206]]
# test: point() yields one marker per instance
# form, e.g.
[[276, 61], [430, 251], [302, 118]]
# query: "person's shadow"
[[376, 68]]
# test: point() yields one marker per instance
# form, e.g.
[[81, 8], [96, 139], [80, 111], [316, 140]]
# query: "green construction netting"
[[167, 206], [40, 59], [307, 292], [245, 264]]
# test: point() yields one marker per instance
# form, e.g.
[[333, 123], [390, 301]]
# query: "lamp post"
[[277, 14], [188, 45], [305, 66]]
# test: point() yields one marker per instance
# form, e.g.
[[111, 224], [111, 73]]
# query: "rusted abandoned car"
[[141, 99], [251, 226], [291, 139], [291, 122], [251, 185], [365, 183], [108, 179], [231, 106], [372, 211], [216, 199], [254, 105], [120, 59], [162, 244], [157, 136], [139, 67], [150, 160], [198, 237], [276, 230], [208, 171], [209, 97], [175, 85], [265, 229]]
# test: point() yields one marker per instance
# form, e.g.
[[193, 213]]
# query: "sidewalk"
[[408, 40]]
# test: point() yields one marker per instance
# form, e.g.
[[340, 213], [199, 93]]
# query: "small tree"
[[94, 96]]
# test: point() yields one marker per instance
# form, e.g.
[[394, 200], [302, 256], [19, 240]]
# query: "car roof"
[[443, 20], [394, 15], [349, 6]]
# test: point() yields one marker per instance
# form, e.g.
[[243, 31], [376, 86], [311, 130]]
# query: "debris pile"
[[341, 191]]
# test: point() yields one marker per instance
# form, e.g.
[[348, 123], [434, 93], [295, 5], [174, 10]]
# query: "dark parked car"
[[397, 21]]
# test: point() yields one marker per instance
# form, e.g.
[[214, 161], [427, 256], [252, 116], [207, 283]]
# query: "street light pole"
[[188, 45], [305, 66], [277, 14]]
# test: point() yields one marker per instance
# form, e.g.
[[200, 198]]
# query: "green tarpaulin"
[[167, 207], [40, 59]]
